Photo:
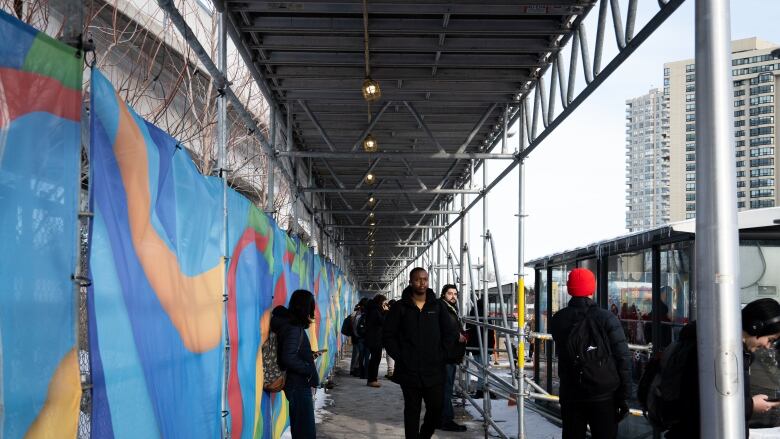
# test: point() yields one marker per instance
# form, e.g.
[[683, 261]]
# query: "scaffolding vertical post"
[[269, 201], [485, 301], [222, 165], [521, 307], [717, 249], [465, 378]]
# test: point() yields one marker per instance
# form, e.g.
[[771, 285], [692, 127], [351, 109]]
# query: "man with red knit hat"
[[593, 362]]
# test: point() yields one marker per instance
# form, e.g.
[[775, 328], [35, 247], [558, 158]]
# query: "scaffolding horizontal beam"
[[389, 190], [398, 155], [379, 226], [405, 26], [391, 212], [500, 8]]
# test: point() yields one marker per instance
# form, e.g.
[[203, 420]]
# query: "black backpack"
[[360, 326], [346, 326], [659, 389], [591, 358]]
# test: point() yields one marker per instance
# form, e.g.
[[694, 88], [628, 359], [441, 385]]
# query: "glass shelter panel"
[[758, 266], [541, 347], [560, 299], [630, 297], [674, 291]]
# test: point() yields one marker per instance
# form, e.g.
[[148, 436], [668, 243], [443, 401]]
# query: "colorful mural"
[[40, 112], [158, 322]]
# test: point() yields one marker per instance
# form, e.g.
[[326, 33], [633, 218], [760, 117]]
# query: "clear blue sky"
[[576, 178]]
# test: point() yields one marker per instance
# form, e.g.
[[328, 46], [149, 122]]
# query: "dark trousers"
[[413, 398], [301, 413], [354, 365], [375, 356], [365, 355], [447, 412], [600, 415]]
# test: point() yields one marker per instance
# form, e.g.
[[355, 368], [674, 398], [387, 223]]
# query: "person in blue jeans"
[[297, 359]]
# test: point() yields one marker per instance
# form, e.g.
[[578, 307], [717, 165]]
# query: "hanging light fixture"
[[370, 144], [371, 215], [371, 201], [370, 88], [370, 178]]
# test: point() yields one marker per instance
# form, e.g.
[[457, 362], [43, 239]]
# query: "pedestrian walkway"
[[354, 410]]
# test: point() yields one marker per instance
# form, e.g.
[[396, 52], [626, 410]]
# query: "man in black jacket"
[[601, 411], [449, 298], [418, 335]]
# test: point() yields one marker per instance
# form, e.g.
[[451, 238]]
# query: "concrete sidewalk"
[[354, 410]]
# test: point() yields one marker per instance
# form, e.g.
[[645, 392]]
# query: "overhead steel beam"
[[398, 155], [380, 226], [390, 191], [405, 26], [476, 128], [456, 60], [422, 124], [534, 7], [317, 124], [390, 212], [379, 44], [371, 125], [473, 73]]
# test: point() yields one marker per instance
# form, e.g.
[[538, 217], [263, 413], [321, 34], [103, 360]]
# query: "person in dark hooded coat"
[[417, 333], [297, 359]]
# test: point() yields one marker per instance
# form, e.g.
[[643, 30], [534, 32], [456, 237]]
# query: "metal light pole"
[[722, 414]]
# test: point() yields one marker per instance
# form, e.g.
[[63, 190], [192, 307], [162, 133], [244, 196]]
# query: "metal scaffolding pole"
[[269, 206], [485, 352], [717, 249], [521, 294], [222, 165]]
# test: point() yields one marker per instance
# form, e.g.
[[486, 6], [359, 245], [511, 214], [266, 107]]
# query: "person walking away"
[[418, 335], [593, 362], [449, 298], [388, 359], [760, 329], [297, 359], [359, 329], [374, 320], [354, 369]]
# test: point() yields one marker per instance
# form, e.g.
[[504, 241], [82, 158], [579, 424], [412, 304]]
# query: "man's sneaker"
[[374, 384], [452, 426]]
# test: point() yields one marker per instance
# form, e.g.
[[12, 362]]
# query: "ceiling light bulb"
[[371, 215], [370, 144], [370, 178], [371, 90]]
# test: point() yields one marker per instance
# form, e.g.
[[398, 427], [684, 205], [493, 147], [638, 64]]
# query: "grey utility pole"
[[722, 413]]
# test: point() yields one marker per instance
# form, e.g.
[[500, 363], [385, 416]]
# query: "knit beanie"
[[581, 283]]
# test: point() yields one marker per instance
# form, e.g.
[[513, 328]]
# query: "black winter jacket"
[[375, 319], [689, 392], [295, 354], [560, 327], [418, 340], [458, 349]]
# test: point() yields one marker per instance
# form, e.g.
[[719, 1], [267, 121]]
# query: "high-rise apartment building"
[[647, 161], [661, 138], [755, 106]]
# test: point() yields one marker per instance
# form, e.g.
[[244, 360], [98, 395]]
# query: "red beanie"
[[581, 283]]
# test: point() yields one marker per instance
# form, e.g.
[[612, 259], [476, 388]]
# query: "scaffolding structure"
[[429, 244]]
